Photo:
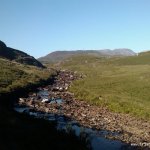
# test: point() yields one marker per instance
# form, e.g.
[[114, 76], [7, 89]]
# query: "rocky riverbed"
[[56, 99]]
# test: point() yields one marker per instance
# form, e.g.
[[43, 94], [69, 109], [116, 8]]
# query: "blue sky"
[[39, 27]]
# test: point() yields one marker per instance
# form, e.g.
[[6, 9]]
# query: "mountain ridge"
[[18, 56], [61, 55]]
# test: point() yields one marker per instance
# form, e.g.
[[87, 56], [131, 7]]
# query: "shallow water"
[[96, 139], [45, 95]]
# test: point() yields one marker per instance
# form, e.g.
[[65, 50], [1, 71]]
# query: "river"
[[95, 139]]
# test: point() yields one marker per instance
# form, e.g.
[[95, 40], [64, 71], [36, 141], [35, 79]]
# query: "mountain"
[[61, 55], [18, 56], [118, 52]]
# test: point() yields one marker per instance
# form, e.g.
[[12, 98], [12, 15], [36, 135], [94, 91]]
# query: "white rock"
[[45, 100]]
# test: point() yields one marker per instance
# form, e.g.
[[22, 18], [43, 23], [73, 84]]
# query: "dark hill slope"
[[61, 55], [18, 56]]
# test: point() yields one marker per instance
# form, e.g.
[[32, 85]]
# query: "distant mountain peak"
[[61, 55]]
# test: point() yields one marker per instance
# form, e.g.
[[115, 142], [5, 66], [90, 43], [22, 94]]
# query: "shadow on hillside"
[[21, 132]]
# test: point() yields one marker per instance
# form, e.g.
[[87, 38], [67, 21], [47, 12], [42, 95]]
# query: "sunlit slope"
[[14, 75], [57, 56], [141, 59], [121, 84]]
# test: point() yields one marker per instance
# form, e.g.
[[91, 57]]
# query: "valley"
[[83, 98], [54, 102]]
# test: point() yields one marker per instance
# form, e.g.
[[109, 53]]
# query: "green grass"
[[117, 83], [19, 131], [14, 75], [142, 59]]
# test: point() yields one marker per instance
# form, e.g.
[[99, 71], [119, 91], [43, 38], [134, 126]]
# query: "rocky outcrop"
[[2, 45], [18, 56]]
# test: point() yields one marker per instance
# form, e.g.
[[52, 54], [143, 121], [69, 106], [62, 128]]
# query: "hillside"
[[21, 131], [62, 55], [121, 84], [17, 56], [142, 58], [14, 75]]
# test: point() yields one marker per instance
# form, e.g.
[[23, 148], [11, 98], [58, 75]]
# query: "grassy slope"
[[18, 131], [121, 84], [14, 75]]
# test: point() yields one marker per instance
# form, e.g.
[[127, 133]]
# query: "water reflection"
[[96, 139]]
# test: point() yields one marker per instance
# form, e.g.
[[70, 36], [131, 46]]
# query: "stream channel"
[[96, 139]]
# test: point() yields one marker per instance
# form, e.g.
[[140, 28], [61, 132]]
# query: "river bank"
[[7, 99], [21, 131], [58, 100]]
